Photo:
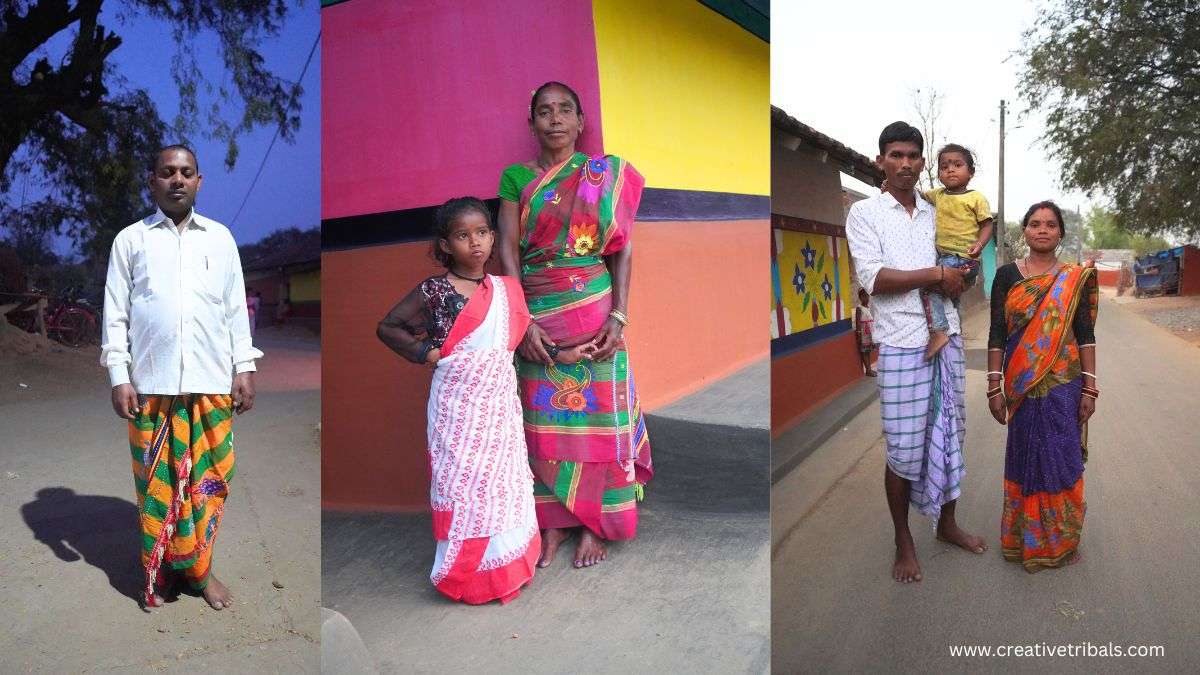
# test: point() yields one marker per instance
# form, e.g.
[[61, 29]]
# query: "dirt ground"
[[35, 368], [1178, 314], [69, 542]]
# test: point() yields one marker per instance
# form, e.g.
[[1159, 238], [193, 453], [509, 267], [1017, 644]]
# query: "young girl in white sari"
[[465, 324]]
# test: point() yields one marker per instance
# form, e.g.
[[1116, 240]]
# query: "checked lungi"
[[924, 420]]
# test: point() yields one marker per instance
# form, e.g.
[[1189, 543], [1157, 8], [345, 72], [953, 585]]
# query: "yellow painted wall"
[[684, 95], [306, 286]]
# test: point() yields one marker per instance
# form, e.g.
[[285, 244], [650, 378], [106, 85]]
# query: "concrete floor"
[[835, 607], [69, 570], [690, 594]]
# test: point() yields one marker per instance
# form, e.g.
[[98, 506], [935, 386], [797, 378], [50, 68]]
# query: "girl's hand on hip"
[[1087, 406], [997, 408], [607, 340], [533, 346]]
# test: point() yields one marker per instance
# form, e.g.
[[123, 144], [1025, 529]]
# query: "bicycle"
[[69, 319], [72, 321]]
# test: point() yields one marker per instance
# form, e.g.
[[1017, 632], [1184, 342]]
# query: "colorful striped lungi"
[[182, 462], [924, 420]]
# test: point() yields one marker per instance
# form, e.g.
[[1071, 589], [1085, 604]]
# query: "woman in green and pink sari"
[[566, 221]]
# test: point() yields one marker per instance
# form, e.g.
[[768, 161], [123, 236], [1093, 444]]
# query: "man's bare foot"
[[951, 533], [165, 586], [591, 549], [937, 340], [217, 595], [906, 569], [551, 538]]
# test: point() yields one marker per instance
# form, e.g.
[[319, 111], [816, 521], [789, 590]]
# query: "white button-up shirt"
[[883, 234], [175, 317]]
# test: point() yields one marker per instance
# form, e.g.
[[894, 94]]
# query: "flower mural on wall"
[[810, 255], [798, 280]]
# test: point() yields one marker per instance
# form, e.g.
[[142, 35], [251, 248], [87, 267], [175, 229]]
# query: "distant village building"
[[813, 293], [1110, 263], [291, 274]]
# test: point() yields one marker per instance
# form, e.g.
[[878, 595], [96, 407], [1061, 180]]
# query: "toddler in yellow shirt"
[[964, 226]]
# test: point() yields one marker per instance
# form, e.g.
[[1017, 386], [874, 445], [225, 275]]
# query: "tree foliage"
[[72, 118], [289, 243], [1103, 232], [1119, 81]]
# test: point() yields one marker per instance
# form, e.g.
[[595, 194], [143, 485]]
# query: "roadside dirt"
[[1178, 314]]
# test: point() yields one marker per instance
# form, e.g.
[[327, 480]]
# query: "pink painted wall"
[[424, 101]]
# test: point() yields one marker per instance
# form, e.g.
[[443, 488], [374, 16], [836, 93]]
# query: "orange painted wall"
[[804, 378], [693, 320], [1108, 277]]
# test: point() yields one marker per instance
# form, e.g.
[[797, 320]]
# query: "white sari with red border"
[[481, 489]]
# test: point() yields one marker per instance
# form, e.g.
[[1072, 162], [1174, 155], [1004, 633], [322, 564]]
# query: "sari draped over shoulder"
[[583, 423], [481, 490], [1044, 507]]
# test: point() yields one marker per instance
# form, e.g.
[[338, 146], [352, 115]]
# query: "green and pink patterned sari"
[[583, 424]]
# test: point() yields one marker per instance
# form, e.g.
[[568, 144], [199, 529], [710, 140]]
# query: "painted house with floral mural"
[[813, 352]]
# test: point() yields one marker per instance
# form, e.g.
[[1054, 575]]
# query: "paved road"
[[689, 595], [69, 571], [835, 607]]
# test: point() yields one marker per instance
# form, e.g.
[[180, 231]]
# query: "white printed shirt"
[[882, 234], [175, 318]]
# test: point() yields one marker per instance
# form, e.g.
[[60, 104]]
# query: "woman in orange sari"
[[1042, 383]]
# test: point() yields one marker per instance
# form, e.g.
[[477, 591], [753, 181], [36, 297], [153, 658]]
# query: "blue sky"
[[287, 193]]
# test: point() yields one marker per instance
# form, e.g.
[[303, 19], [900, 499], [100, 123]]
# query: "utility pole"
[[999, 230]]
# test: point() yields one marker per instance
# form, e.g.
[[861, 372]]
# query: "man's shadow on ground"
[[102, 531]]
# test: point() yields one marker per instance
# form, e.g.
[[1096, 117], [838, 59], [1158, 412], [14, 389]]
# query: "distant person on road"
[[862, 332], [283, 311], [176, 342], [466, 324], [921, 401], [1042, 383], [253, 302]]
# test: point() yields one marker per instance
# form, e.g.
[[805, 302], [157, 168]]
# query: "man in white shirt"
[[921, 402], [175, 333]]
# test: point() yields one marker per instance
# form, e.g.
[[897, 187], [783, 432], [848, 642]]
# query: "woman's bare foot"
[[591, 549], [951, 533], [937, 340], [217, 595], [906, 569], [551, 538]]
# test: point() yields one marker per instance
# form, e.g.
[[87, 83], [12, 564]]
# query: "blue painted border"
[[658, 204], [797, 341]]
